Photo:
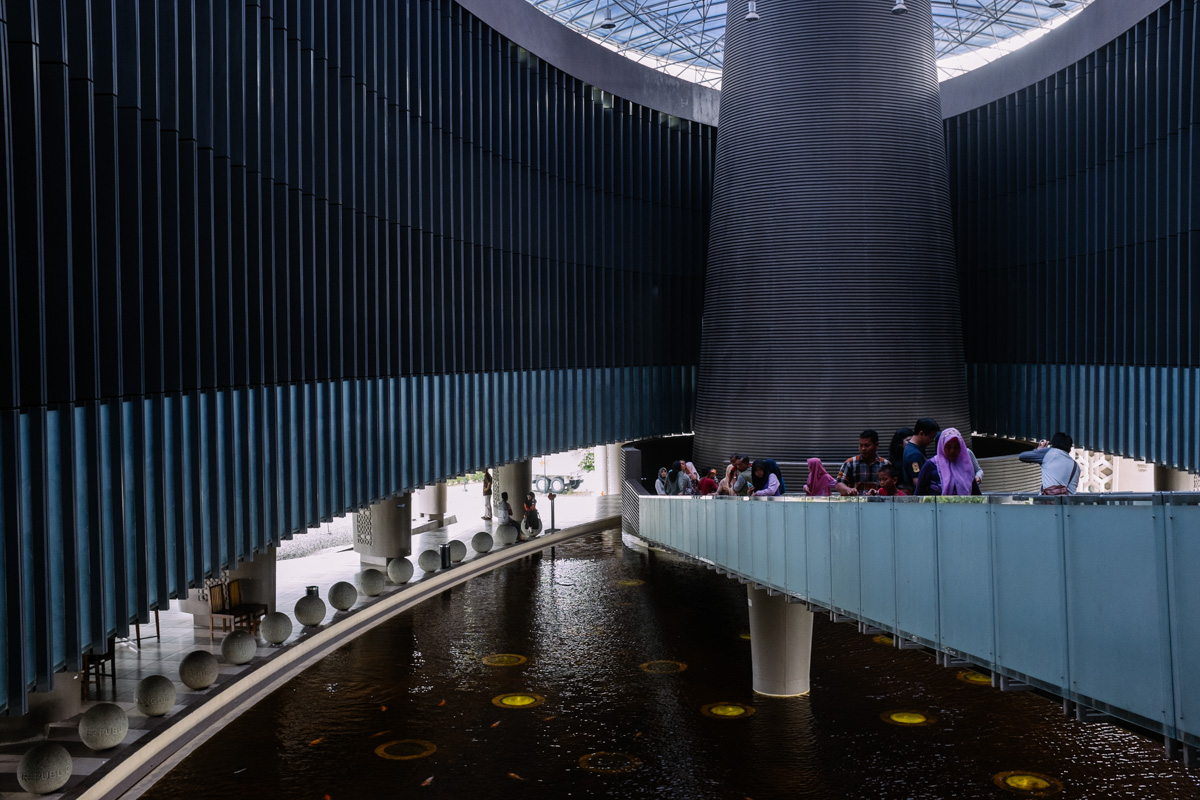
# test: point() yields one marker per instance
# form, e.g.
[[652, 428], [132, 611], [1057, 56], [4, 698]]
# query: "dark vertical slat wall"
[[265, 263], [1077, 223]]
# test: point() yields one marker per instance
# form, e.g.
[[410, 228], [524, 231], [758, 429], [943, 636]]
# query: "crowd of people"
[[905, 470]]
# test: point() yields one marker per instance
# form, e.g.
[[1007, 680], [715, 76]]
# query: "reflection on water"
[[408, 707]]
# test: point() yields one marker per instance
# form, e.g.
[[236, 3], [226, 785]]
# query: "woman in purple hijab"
[[950, 472], [819, 482]]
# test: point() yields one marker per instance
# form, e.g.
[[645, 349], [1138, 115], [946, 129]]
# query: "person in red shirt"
[[889, 482], [708, 484]]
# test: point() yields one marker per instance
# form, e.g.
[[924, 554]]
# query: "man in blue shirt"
[[925, 432]]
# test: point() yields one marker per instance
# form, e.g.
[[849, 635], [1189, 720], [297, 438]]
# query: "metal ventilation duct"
[[831, 301]]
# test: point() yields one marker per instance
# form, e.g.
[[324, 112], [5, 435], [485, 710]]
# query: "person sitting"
[[925, 432], [950, 472], [889, 482], [860, 473], [766, 480], [504, 510], [820, 483], [1060, 472], [660, 485], [531, 525], [708, 484]]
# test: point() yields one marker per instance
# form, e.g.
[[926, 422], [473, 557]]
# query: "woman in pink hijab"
[[820, 482], [950, 472]]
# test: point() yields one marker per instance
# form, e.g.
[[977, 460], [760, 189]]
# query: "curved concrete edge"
[[1087, 32], [164, 751], [592, 63]]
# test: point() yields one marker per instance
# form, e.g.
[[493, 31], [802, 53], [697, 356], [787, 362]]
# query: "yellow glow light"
[[726, 710], [1032, 784], [907, 718], [518, 700]]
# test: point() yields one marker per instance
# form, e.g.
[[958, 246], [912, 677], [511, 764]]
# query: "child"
[[889, 482]]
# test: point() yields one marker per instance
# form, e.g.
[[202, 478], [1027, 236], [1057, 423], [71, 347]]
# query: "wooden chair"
[[98, 666], [241, 607], [219, 609]]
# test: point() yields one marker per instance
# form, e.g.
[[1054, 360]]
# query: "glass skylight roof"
[[687, 37]]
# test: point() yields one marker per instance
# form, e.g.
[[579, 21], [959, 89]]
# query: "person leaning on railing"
[[1060, 472]]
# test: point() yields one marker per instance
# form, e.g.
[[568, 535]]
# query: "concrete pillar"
[[780, 644], [62, 702], [612, 464], [384, 531], [431, 503], [516, 479]]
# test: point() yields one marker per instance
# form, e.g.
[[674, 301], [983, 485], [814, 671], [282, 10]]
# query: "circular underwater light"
[[973, 677], [503, 660], [882, 639], [630, 582], [906, 718], [662, 667], [1033, 784], [609, 762], [725, 710], [518, 700], [405, 749]]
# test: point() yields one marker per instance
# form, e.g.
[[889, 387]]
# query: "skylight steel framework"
[[687, 37]]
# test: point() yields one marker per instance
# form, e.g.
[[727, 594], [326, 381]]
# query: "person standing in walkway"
[[660, 485], [925, 432], [950, 472], [1060, 472], [820, 483], [767, 481], [860, 473], [487, 494]]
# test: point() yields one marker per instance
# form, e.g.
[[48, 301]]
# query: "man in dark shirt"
[[861, 472], [925, 432]]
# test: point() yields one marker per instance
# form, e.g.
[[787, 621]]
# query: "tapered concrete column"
[[431, 503], [780, 644], [612, 465], [516, 479], [384, 531]]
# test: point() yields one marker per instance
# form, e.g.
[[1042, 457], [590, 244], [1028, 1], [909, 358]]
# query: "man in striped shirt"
[[861, 472]]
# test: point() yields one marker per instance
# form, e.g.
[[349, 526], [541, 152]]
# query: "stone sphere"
[[506, 534], [400, 570], [44, 769], [429, 561], [310, 610], [155, 695], [276, 627], [198, 669], [371, 582], [238, 647], [343, 595], [103, 726], [481, 542], [458, 551]]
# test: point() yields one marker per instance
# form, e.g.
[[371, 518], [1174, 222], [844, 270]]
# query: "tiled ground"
[[179, 636]]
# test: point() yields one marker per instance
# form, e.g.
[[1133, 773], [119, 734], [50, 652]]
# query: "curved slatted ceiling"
[[687, 37]]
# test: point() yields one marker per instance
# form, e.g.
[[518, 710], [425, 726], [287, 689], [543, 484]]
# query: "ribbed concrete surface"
[[831, 301]]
